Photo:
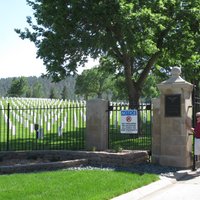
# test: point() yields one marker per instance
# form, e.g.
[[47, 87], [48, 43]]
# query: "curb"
[[180, 174]]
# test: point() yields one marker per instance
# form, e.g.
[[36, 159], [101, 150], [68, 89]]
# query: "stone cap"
[[175, 77], [175, 81]]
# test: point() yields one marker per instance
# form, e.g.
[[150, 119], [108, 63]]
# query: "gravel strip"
[[140, 168]]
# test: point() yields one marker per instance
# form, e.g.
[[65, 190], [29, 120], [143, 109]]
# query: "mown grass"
[[71, 185], [140, 143]]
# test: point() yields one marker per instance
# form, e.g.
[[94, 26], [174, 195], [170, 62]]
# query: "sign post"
[[129, 122]]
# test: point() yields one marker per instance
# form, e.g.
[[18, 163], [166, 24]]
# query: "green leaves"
[[137, 34], [18, 87]]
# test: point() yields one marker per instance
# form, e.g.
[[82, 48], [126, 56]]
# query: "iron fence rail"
[[25, 128], [42, 128]]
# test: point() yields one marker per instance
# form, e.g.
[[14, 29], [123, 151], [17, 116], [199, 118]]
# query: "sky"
[[17, 56]]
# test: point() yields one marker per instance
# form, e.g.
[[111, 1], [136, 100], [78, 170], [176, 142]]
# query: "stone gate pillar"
[[171, 143], [97, 124]]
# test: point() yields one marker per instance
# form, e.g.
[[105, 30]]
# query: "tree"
[[150, 89], [39, 87], [52, 93], [120, 89], [28, 92], [96, 81], [138, 35], [64, 93], [37, 90], [84, 86], [193, 75], [18, 87], [90, 83]]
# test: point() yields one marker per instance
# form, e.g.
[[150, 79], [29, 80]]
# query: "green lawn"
[[72, 185]]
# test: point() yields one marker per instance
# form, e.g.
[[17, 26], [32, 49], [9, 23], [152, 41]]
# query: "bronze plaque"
[[173, 105]]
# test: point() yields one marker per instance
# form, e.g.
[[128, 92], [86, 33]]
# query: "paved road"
[[185, 188], [188, 188]]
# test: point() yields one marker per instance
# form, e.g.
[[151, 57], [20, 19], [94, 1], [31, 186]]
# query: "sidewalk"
[[185, 185]]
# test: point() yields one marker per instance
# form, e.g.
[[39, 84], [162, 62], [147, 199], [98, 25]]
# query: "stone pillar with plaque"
[[171, 142]]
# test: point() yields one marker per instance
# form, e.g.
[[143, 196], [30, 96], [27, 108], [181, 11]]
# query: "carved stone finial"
[[175, 77], [176, 71]]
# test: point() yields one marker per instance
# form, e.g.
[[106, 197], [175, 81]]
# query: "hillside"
[[46, 86]]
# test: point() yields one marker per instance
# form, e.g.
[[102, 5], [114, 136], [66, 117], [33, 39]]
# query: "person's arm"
[[188, 124]]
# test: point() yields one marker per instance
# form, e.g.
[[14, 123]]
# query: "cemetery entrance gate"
[[130, 141]]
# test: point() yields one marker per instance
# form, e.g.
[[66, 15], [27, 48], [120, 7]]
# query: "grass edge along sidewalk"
[[86, 184]]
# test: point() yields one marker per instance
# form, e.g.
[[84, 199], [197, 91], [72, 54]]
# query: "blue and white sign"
[[129, 121]]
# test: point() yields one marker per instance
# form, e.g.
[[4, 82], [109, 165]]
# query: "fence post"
[[97, 124], [8, 125]]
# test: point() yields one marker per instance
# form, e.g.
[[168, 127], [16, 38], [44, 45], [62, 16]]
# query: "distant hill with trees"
[[97, 82], [37, 87]]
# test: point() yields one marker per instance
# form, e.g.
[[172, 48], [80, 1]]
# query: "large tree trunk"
[[134, 87], [133, 92]]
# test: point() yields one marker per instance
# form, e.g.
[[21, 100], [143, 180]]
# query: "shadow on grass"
[[71, 140], [140, 141]]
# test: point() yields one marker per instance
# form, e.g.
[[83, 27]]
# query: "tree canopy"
[[96, 81], [139, 35], [18, 87]]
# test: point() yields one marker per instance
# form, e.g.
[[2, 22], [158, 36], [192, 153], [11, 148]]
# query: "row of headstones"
[[31, 111], [42, 119], [26, 102], [31, 127], [46, 116], [54, 112], [115, 116]]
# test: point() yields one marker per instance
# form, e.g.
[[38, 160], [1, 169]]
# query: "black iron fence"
[[42, 128], [26, 128], [134, 141], [196, 104]]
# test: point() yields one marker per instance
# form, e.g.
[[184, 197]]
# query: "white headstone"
[[75, 120], [48, 126], [13, 130], [41, 133], [60, 131]]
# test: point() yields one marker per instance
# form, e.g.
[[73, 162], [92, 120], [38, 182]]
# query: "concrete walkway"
[[185, 185]]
